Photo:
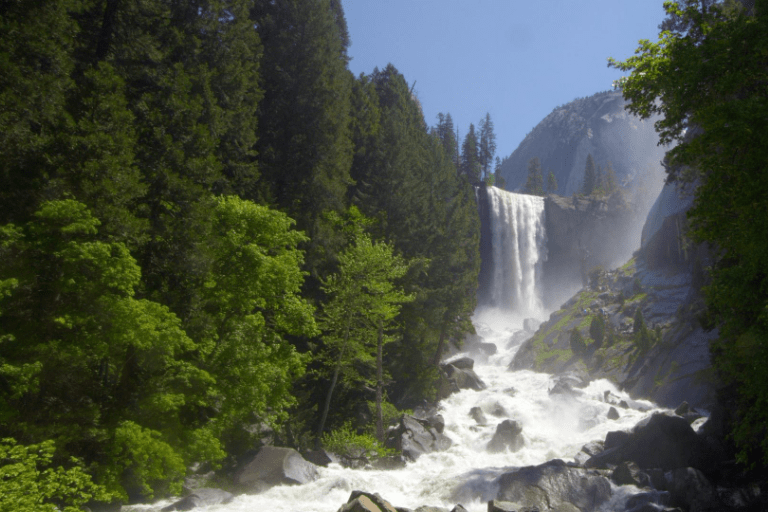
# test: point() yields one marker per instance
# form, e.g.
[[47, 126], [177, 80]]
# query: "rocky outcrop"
[[414, 437], [455, 378], [554, 486], [274, 466], [361, 501]]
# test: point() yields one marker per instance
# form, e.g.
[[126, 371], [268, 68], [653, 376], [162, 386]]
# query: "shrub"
[[345, 441], [597, 329], [578, 345]]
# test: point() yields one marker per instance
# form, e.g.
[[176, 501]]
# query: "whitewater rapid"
[[554, 427]]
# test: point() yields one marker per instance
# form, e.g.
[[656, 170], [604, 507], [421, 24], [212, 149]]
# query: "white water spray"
[[519, 250]]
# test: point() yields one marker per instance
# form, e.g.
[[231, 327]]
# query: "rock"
[[691, 490], [275, 466], [613, 414], [321, 457], [478, 415], [587, 451], [203, 497], [615, 438], [454, 379], [426, 508], [487, 348], [459, 508], [387, 463], [531, 324], [380, 503], [414, 437], [361, 504], [627, 473], [498, 410], [463, 363], [554, 486], [564, 389], [501, 506], [649, 500], [683, 409], [507, 437]]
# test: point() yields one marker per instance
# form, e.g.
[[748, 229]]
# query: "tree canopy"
[[708, 77]]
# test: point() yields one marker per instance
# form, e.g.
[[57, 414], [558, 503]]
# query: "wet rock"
[[414, 437], [562, 388], [683, 409], [427, 508], [648, 501], [508, 436], [389, 463], [477, 414], [274, 466], [203, 497], [321, 457], [368, 499], [463, 363], [613, 414], [554, 486], [691, 490], [459, 508], [587, 451], [501, 506], [498, 410], [454, 379], [628, 473], [661, 441], [487, 348]]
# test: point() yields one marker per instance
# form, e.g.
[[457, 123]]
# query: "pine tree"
[[611, 185], [470, 157], [551, 183], [535, 183], [447, 134], [499, 180], [590, 176], [487, 145]]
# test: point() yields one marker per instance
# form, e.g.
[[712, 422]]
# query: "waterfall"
[[513, 253]]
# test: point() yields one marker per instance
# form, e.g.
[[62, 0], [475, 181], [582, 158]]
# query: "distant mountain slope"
[[598, 125]]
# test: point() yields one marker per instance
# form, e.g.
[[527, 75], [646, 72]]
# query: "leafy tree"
[[28, 483], [551, 183], [471, 166], [535, 183], [487, 145], [590, 176], [707, 77], [364, 300]]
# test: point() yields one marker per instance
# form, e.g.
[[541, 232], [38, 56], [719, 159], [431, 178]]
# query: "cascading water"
[[554, 426], [512, 265]]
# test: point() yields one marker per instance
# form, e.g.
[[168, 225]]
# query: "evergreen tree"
[[578, 345], [551, 183], [487, 145], [611, 185], [597, 329], [447, 134], [535, 183], [590, 176], [470, 157], [499, 180]]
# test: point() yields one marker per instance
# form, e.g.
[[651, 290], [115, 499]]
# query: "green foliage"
[[487, 146], [590, 176], [535, 183], [706, 76], [551, 183], [642, 335], [30, 483], [578, 344], [597, 329], [471, 165], [345, 441]]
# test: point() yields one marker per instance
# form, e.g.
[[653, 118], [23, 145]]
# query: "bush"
[[597, 329], [345, 441], [578, 345]]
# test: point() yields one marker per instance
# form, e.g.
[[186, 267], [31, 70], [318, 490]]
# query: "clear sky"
[[517, 59]]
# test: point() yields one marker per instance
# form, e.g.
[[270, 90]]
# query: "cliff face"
[[583, 234], [598, 125]]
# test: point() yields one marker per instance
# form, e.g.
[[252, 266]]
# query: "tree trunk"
[[334, 380], [379, 383]]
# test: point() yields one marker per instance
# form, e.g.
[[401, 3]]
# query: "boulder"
[[203, 497], [455, 379], [459, 508], [478, 415], [628, 473], [613, 414], [564, 389], [427, 508], [498, 410], [321, 457], [508, 436], [367, 498], [414, 437], [554, 486], [360, 504], [274, 466], [691, 490], [463, 363], [501, 506], [487, 348], [388, 463], [587, 451], [661, 441]]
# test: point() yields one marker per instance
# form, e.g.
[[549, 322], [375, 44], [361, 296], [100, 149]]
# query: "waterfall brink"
[[512, 261]]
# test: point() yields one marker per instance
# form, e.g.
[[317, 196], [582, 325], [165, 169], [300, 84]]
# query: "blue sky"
[[516, 59]]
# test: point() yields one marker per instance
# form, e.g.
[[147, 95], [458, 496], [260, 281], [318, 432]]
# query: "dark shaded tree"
[[535, 183]]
